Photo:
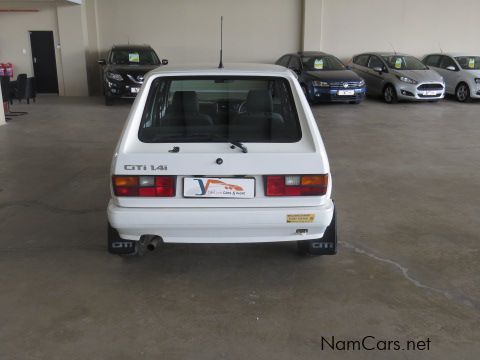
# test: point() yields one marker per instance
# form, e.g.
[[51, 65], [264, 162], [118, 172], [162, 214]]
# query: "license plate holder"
[[219, 187], [346, 92]]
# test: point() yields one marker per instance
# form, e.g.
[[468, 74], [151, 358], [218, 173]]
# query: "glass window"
[[319, 63], [134, 57], [469, 62], [432, 60], [375, 62], [220, 109], [284, 61], [361, 60], [401, 62], [446, 62], [295, 63]]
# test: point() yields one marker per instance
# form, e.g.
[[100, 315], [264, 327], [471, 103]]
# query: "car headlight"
[[320, 83], [361, 83], [407, 80], [477, 80], [114, 76]]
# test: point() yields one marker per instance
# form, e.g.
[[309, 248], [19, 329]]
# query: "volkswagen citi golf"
[[221, 155]]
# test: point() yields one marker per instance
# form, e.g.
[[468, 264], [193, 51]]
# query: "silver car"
[[460, 71], [397, 76]]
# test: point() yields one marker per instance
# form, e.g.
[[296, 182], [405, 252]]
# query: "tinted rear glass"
[[220, 109]]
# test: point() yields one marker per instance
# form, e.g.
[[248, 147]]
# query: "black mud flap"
[[326, 245], [119, 246]]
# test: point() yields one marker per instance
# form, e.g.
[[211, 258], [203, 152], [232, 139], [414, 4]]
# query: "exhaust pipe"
[[153, 243]]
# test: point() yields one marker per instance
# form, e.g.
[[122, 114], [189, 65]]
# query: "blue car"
[[324, 78]]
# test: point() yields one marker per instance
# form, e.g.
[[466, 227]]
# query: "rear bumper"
[[219, 225]]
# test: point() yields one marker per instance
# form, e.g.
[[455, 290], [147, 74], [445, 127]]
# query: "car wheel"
[[462, 93], [108, 100], [327, 245], [390, 94]]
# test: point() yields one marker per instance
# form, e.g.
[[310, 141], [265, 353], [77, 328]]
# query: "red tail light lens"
[[144, 186], [296, 185]]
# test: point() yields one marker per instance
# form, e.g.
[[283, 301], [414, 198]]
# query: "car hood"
[[333, 75], [131, 69], [420, 75]]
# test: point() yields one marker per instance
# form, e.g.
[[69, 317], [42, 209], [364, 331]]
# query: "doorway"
[[44, 64]]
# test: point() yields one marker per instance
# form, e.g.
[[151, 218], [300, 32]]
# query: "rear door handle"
[[34, 60]]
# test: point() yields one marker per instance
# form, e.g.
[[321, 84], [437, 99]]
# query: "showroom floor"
[[406, 181]]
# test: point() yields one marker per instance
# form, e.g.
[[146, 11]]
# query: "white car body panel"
[[214, 220]]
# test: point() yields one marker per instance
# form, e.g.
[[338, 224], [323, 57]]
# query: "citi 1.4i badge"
[[240, 188]]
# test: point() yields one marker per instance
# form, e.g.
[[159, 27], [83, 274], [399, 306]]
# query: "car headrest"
[[185, 102], [259, 101]]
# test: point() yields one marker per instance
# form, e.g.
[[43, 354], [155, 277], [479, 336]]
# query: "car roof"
[[228, 69], [131, 46], [383, 53], [312, 53], [454, 54]]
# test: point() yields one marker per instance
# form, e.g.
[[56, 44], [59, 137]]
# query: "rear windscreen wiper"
[[202, 136]]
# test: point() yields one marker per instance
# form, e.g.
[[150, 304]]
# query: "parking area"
[[406, 189]]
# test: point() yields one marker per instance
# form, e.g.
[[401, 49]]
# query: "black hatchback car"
[[324, 78], [124, 70]]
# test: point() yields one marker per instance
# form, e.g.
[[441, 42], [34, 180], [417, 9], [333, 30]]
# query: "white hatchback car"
[[221, 155], [460, 71]]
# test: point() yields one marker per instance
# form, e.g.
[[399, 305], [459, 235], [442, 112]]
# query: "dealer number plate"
[[346, 92], [208, 187]]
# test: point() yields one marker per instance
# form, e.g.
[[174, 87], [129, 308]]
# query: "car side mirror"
[[378, 69], [451, 68], [102, 62], [164, 62]]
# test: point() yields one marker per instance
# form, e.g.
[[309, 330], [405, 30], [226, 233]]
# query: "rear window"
[[219, 109]]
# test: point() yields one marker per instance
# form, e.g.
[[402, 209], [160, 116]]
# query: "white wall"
[[412, 26], [186, 31]]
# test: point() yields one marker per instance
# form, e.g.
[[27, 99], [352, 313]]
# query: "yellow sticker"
[[318, 64], [300, 218], [134, 57], [471, 63], [398, 63]]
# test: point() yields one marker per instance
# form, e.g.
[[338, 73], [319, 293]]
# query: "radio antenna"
[[395, 51], [220, 65], [441, 50]]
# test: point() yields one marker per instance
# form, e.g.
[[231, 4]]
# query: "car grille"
[[137, 78], [425, 87], [341, 84], [429, 96]]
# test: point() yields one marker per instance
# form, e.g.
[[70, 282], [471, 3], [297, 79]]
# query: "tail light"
[[151, 186], [296, 185]]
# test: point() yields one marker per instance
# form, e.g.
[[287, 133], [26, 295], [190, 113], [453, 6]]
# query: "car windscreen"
[[219, 109], [401, 62], [469, 62], [134, 57], [319, 63]]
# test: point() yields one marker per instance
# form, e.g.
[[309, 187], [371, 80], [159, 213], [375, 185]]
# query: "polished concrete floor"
[[407, 186]]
